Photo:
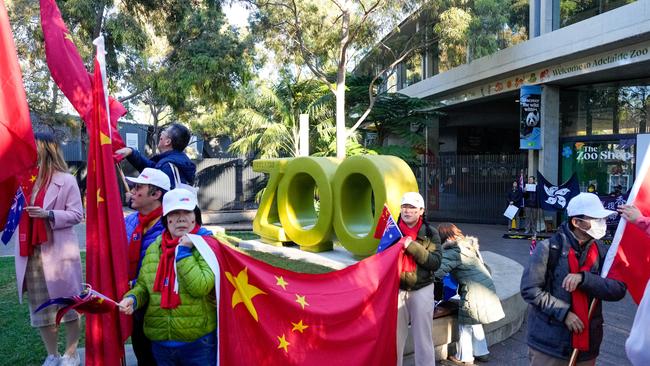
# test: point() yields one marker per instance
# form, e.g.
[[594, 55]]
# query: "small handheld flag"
[[14, 216], [391, 232], [88, 301]]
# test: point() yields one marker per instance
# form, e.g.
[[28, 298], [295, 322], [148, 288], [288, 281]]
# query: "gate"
[[471, 188], [227, 184]]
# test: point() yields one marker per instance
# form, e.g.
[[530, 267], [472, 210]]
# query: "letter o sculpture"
[[302, 178], [356, 181]]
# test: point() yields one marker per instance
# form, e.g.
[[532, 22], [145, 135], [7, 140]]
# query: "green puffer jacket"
[[426, 252], [195, 317], [479, 303]]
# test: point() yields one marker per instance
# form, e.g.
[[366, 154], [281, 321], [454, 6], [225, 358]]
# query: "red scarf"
[[580, 300], [408, 263], [135, 245], [165, 275], [34, 231]]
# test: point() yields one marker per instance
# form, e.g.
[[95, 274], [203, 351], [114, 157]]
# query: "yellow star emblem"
[[244, 292], [281, 282], [103, 139], [68, 36], [32, 179], [299, 326], [283, 343], [99, 197], [301, 300]]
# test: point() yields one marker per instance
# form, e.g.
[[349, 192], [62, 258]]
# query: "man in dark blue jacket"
[[560, 282], [171, 160], [142, 229]]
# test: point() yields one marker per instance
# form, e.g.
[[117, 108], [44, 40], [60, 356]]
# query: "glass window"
[[573, 11], [605, 165], [414, 68], [605, 110]]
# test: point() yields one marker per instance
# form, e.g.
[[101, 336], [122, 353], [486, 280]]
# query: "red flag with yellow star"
[[106, 258], [271, 316], [68, 70]]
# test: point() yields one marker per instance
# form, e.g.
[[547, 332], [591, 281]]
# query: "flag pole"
[[122, 178], [574, 354]]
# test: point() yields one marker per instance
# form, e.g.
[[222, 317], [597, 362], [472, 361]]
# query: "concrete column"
[[550, 114], [303, 142], [546, 10], [534, 17]]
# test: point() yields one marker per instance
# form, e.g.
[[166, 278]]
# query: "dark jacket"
[[530, 199], [479, 303], [426, 253], [516, 197], [185, 166], [550, 303]]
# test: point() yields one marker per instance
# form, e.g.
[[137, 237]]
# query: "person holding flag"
[[416, 302], [561, 280], [637, 345], [143, 227], [48, 263], [175, 286]]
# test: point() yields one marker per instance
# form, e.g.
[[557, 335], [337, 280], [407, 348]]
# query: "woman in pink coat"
[[48, 264]]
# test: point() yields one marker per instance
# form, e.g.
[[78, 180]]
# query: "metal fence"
[[227, 184], [470, 188]]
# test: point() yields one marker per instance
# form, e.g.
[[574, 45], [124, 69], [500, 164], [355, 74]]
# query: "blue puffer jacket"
[[149, 237], [550, 302], [186, 168]]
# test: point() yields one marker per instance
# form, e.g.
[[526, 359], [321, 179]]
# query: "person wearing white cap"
[[416, 302], [560, 281], [175, 286], [142, 229]]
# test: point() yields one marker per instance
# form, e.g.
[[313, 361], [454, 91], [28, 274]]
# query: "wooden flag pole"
[[574, 354]]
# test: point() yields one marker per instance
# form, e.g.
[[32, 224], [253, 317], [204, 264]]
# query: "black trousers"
[[141, 344]]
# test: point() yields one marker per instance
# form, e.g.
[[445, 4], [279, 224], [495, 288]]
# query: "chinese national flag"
[[17, 146], [106, 259], [68, 70], [271, 316], [629, 255]]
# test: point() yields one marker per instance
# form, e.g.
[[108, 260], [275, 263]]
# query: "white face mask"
[[598, 228]]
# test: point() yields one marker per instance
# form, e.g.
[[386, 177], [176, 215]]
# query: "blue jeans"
[[202, 352]]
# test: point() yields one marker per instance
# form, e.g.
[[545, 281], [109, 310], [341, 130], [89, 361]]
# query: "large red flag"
[[106, 259], [629, 255], [68, 70], [271, 316], [17, 146]]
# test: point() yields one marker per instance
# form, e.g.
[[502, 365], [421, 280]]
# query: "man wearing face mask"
[[560, 281]]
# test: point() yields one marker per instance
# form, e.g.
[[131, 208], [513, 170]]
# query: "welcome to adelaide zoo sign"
[[351, 195], [603, 61]]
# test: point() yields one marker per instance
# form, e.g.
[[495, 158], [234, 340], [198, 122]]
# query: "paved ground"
[[513, 351]]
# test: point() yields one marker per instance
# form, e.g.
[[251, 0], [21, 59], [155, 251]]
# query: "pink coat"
[[60, 254]]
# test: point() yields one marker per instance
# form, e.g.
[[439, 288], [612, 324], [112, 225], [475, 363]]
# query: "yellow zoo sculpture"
[[311, 201]]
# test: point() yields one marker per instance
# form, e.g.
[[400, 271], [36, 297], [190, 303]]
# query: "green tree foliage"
[[321, 35]]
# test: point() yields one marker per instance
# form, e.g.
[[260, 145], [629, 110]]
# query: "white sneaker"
[[52, 360], [70, 360]]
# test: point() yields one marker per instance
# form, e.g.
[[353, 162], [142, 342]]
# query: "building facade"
[[593, 67]]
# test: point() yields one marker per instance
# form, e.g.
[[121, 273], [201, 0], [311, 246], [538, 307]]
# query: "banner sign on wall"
[[530, 133]]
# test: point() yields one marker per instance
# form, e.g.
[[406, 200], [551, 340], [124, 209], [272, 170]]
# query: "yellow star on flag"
[[283, 343], [301, 300], [99, 197], [299, 326], [281, 282], [32, 179], [103, 139], [244, 291]]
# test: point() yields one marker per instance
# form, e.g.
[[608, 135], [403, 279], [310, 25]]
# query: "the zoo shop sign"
[[311, 201], [602, 153]]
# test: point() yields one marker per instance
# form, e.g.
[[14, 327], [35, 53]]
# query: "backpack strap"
[[554, 250]]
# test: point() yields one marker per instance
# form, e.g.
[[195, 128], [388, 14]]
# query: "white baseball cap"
[[153, 177], [587, 204], [179, 199], [414, 199]]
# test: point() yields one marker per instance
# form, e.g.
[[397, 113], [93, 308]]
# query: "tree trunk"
[[341, 133]]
